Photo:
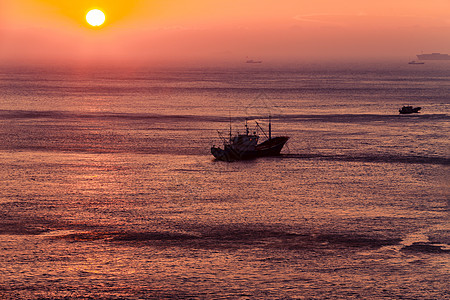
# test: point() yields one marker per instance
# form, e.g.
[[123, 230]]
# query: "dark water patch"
[[334, 241], [236, 238], [29, 114], [127, 236], [279, 239], [286, 239], [377, 158], [425, 248], [20, 228], [20, 225], [152, 236]]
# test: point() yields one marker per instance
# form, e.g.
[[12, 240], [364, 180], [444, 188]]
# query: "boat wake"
[[381, 158]]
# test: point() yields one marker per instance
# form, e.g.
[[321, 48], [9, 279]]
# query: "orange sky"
[[210, 30]]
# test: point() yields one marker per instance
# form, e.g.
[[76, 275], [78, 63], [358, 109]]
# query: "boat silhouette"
[[245, 146], [408, 109], [413, 62], [433, 56]]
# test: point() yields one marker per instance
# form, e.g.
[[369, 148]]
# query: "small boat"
[[245, 146], [408, 109], [413, 62]]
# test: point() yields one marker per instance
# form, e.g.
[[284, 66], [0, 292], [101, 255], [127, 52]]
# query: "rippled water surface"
[[108, 189]]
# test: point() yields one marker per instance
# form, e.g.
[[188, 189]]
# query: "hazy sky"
[[208, 30]]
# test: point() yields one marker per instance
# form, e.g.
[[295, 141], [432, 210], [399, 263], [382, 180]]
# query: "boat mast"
[[230, 127], [270, 127]]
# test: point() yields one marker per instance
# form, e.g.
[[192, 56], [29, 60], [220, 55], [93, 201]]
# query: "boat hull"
[[224, 155], [270, 147]]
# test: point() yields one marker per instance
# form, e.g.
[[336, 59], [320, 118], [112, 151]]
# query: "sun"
[[95, 17]]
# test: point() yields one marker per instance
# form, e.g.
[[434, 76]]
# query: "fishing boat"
[[408, 109], [245, 146], [413, 62]]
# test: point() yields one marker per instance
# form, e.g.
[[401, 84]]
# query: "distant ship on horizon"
[[433, 56], [251, 61]]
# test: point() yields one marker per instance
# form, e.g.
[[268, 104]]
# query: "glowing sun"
[[95, 17]]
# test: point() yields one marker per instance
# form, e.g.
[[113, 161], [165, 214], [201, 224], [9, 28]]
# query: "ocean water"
[[108, 189]]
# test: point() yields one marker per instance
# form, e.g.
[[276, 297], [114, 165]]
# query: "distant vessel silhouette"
[[251, 61], [413, 62], [433, 56]]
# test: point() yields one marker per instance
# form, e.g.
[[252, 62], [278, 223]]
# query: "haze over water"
[[203, 31], [109, 191]]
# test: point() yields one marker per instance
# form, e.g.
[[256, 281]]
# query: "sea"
[[108, 189]]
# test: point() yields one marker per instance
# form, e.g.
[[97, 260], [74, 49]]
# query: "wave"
[[30, 114], [191, 134]]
